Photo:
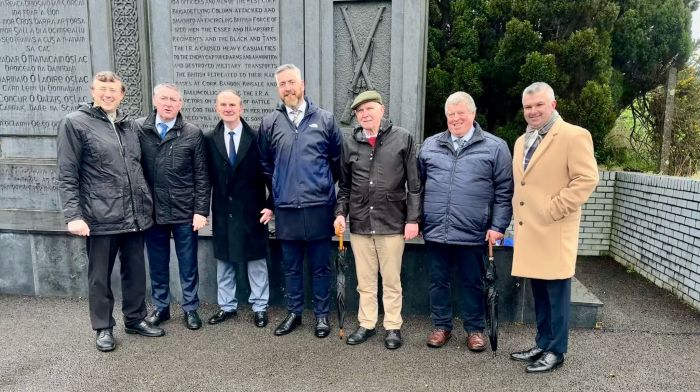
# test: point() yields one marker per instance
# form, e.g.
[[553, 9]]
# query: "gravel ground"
[[649, 341]]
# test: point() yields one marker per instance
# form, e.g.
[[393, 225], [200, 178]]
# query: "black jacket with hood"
[[99, 172]]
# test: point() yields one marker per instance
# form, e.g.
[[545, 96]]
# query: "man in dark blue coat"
[[467, 179], [300, 153]]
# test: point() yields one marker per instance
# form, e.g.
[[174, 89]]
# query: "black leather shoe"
[[288, 325], [144, 328], [104, 340], [530, 355], [158, 316], [192, 320], [221, 315], [260, 319], [323, 328], [360, 335], [548, 362], [392, 340]]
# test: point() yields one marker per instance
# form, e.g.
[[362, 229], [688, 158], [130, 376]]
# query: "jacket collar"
[[445, 138], [310, 107], [385, 127], [90, 109], [544, 145], [150, 121]]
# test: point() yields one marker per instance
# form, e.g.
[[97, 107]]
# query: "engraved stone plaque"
[[45, 64], [221, 45], [29, 186]]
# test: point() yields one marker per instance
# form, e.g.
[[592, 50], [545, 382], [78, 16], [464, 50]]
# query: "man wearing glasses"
[[106, 199]]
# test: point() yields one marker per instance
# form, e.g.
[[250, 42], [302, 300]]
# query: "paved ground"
[[649, 342]]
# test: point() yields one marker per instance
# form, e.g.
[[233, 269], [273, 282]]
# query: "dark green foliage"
[[685, 154], [598, 55]]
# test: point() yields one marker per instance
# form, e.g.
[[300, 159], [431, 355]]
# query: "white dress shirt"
[[236, 136], [301, 109]]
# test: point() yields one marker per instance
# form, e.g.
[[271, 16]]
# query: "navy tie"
[[231, 149]]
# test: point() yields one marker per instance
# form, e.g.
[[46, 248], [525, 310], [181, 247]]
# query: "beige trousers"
[[378, 254]]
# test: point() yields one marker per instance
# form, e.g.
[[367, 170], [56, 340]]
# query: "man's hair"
[[167, 85], [537, 87], [285, 67], [232, 91], [107, 77], [461, 97]]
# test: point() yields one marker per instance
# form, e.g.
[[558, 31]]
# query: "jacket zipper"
[[128, 178], [449, 194], [294, 145]]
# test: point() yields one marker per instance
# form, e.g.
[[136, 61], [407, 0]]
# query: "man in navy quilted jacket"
[[467, 180]]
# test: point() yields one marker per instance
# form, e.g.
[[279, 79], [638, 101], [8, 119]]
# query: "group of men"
[[128, 183]]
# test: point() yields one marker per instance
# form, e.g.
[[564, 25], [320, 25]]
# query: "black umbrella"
[[341, 266], [491, 301]]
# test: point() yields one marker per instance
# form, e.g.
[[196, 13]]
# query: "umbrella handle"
[[340, 238], [490, 250]]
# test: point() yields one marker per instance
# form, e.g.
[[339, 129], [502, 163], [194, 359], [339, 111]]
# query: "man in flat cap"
[[380, 191]]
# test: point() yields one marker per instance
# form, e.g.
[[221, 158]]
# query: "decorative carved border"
[[127, 56]]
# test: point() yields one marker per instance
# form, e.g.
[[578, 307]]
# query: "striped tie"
[[296, 117], [531, 150]]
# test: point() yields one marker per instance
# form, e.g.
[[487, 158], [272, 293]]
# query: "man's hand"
[[411, 231], [493, 236], [266, 215], [79, 227], [198, 221], [339, 224]]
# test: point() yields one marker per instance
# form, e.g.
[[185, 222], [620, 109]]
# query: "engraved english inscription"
[[220, 46]]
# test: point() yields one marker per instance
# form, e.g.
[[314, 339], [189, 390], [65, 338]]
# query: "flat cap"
[[366, 96]]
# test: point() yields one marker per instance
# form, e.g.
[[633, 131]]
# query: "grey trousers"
[[257, 277]]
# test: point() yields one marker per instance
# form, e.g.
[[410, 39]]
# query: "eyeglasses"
[[105, 89]]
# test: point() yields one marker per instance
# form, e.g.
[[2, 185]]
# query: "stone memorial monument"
[[50, 49]]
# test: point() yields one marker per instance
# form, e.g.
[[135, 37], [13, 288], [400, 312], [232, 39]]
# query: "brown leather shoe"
[[438, 337], [476, 341]]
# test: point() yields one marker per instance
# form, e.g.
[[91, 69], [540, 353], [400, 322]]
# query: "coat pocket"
[[396, 205], [547, 210], [106, 205], [396, 196], [181, 202]]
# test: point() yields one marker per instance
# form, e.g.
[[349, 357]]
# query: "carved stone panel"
[[29, 186], [362, 46], [126, 18], [45, 64], [218, 47]]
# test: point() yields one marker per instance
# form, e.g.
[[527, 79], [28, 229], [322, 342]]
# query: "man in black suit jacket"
[[240, 212]]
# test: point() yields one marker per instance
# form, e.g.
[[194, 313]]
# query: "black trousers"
[[552, 301], [102, 252]]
